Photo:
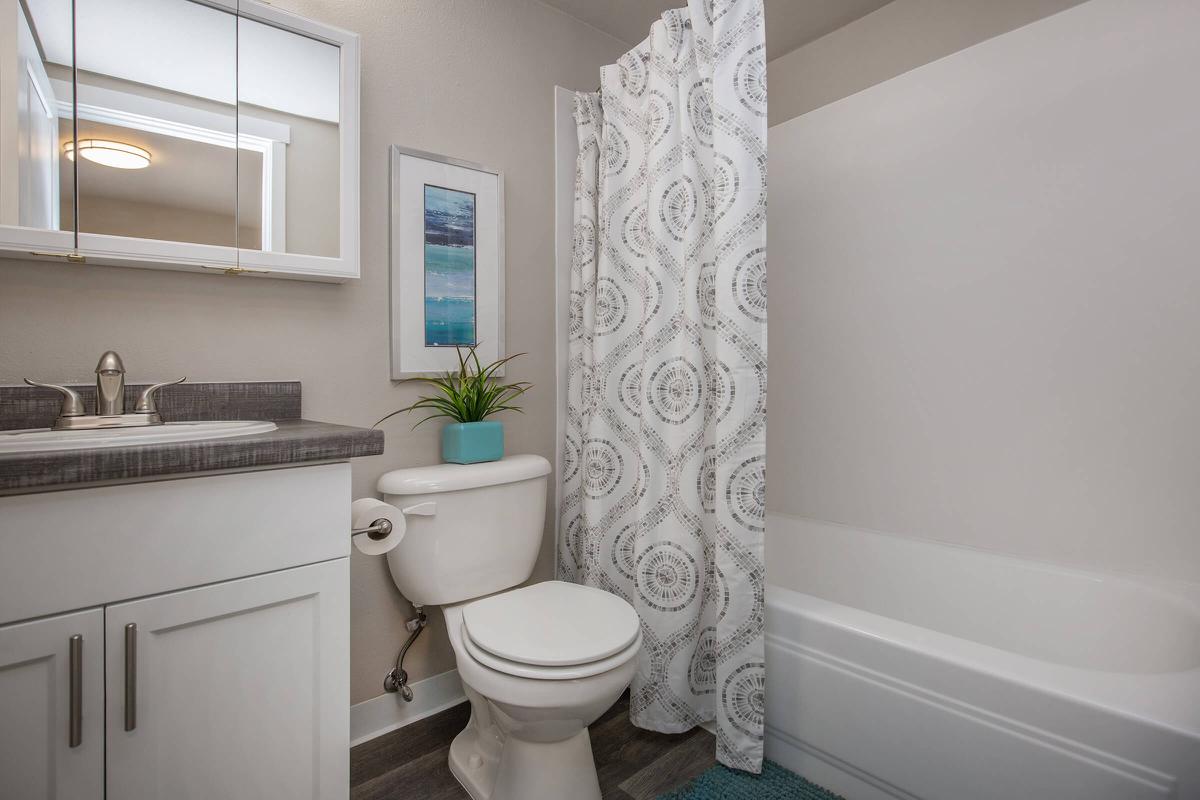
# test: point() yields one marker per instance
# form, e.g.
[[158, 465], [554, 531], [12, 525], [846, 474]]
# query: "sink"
[[36, 440]]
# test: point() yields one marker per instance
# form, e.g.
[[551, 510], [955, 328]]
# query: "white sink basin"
[[37, 440]]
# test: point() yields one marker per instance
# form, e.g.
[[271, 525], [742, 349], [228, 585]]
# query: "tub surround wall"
[[982, 319], [902, 35], [984, 298], [1104, 624], [469, 79]]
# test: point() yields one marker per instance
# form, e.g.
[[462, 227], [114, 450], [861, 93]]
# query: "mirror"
[[183, 134], [36, 181], [289, 151], [157, 120]]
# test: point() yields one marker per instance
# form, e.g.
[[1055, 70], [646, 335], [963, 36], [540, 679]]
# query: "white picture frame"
[[428, 307]]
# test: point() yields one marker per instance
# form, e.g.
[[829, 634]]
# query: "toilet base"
[[490, 768]]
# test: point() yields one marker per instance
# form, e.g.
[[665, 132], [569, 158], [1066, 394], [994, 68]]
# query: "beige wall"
[[311, 194], [984, 298], [125, 217], [469, 78], [900, 36]]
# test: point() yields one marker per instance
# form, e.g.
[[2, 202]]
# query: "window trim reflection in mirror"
[[269, 139]]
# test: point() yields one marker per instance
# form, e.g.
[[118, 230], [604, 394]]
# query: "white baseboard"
[[386, 713]]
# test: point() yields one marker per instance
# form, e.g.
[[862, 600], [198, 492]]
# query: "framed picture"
[[447, 262]]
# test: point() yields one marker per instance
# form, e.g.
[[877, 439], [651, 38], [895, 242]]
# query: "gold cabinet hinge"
[[238, 270], [74, 258]]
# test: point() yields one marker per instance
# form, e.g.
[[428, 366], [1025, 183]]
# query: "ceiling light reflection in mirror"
[[109, 153]]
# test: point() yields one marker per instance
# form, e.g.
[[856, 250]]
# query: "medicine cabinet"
[[218, 136]]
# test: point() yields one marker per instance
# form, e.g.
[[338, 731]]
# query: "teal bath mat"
[[775, 783]]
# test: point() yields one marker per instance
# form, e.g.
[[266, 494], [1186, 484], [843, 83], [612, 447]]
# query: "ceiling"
[[790, 23]]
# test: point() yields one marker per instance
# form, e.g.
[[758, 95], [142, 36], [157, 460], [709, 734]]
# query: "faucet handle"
[[72, 404], [145, 401]]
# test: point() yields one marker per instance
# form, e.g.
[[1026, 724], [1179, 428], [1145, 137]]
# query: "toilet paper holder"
[[379, 529], [382, 528]]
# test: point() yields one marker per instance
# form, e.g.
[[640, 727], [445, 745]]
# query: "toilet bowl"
[[528, 736], [538, 663]]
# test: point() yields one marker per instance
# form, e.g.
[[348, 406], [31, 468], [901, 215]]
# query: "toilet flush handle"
[[421, 509]]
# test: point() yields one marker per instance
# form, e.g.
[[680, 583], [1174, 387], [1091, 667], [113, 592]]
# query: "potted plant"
[[467, 398]]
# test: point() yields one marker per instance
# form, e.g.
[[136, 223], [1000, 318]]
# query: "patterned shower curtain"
[[664, 470]]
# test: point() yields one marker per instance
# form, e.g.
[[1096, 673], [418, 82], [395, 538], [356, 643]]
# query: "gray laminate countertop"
[[295, 442]]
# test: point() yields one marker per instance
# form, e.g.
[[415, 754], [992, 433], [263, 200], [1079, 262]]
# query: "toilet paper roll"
[[364, 512]]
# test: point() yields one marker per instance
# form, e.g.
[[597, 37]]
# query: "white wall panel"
[[985, 306]]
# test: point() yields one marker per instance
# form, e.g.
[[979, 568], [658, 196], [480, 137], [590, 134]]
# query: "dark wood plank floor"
[[633, 764]]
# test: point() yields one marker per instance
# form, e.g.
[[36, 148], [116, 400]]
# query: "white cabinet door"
[[52, 708], [234, 690]]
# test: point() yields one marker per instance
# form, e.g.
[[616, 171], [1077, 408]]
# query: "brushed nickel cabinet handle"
[[75, 732], [130, 676]]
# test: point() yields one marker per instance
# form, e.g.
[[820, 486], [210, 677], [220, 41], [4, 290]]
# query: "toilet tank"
[[483, 536]]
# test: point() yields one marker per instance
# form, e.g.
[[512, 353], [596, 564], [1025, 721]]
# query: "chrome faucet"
[[110, 400]]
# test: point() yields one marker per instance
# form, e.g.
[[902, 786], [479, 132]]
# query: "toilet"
[[538, 663]]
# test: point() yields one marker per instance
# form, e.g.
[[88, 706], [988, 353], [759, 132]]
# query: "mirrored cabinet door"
[[289, 136], [36, 127], [157, 125], [298, 143]]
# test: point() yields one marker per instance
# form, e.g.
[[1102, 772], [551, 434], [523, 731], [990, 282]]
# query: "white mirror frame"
[[103, 249]]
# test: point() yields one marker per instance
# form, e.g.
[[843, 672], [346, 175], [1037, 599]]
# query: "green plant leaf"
[[495, 365], [469, 395]]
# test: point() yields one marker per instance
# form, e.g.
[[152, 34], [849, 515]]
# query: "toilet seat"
[[572, 672], [551, 630]]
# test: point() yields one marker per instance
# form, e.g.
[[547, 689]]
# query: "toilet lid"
[[552, 624]]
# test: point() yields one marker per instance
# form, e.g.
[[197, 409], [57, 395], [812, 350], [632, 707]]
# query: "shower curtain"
[[664, 472]]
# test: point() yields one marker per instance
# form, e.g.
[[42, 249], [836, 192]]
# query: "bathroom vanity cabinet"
[[184, 638]]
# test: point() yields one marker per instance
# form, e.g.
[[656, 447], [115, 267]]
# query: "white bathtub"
[[909, 669]]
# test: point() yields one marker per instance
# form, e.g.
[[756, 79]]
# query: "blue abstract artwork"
[[449, 267]]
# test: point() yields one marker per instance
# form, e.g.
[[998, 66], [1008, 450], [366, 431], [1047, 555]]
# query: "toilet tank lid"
[[456, 477]]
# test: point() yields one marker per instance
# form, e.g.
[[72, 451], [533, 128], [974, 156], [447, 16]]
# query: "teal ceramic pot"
[[473, 442]]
